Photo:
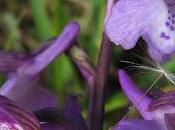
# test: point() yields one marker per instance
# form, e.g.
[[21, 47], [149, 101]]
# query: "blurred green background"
[[24, 25]]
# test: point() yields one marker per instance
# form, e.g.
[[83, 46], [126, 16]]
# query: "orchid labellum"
[[153, 20]]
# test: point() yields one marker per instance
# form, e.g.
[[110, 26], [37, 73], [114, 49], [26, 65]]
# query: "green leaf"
[[41, 20]]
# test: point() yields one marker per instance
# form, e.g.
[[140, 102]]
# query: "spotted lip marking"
[[163, 35], [170, 23]]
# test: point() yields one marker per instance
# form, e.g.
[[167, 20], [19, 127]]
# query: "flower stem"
[[96, 103]]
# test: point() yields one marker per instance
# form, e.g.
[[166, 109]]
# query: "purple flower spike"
[[23, 85], [137, 97], [150, 19]]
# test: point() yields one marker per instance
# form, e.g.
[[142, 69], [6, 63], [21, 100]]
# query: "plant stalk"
[[97, 95]]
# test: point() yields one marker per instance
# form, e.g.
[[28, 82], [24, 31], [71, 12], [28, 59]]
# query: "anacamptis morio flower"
[[153, 20], [24, 103], [158, 114]]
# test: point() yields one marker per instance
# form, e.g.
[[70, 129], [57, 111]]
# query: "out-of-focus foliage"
[[24, 25]]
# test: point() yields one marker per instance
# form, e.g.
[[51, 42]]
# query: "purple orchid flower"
[[23, 92], [158, 114], [153, 20], [68, 119], [23, 77], [13, 117]]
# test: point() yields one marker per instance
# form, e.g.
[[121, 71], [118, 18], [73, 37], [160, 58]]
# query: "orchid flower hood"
[[153, 20]]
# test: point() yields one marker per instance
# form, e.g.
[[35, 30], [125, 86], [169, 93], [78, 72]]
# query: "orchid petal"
[[37, 98], [137, 97], [170, 121], [137, 124], [30, 94], [11, 61], [59, 45], [125, 24], [154, 20], [157, 55], [15, 115], [52, 126], [165, 100], [109, 6], [73, 114], [69, 119], [23, 80], [163, 108], [160, 110]]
